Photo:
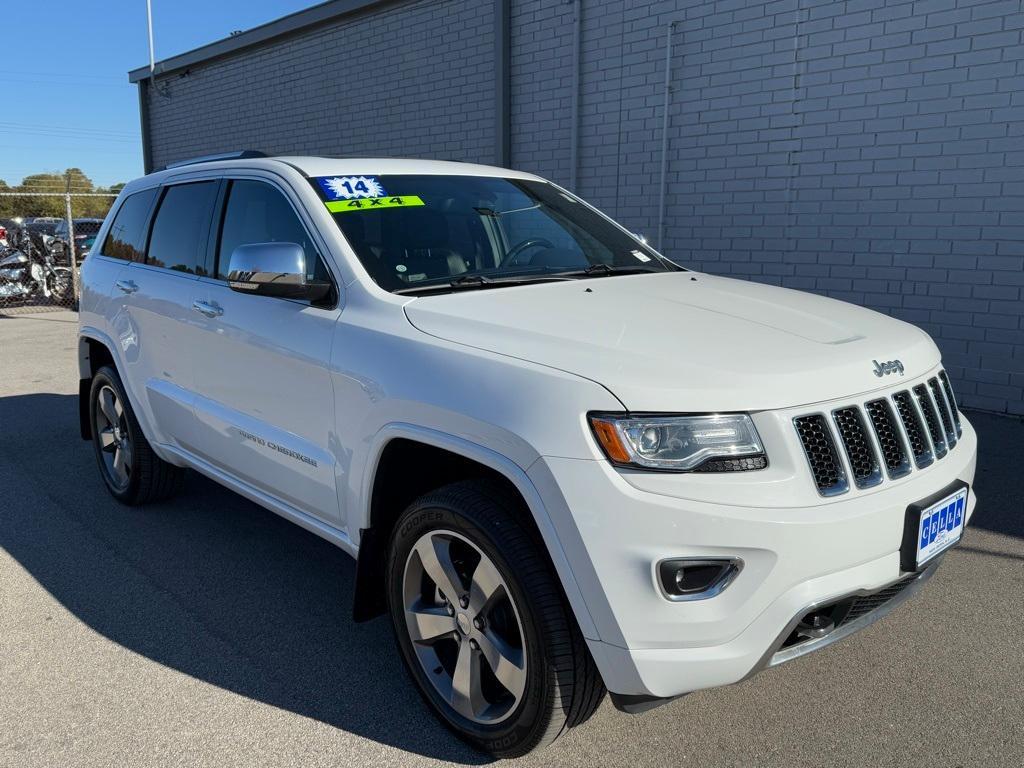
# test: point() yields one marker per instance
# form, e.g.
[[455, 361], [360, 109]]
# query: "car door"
[[264, 402], [155, 325]]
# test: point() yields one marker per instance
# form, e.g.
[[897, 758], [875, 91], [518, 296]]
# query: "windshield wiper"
[[465, 280], [478, 282], [601, 270]]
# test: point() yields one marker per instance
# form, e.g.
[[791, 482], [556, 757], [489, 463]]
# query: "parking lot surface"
[[208, 632]]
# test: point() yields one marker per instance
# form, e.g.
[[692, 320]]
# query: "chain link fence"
[[44, 237]]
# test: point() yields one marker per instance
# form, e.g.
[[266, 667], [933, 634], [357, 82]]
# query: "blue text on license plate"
[[941, 526]]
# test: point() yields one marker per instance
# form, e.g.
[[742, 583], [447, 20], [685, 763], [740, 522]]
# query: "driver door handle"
[[210, 310], [126, 286]]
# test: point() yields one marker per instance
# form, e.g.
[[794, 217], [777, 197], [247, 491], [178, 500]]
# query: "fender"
[[367, 567], [85, 385], [85, 374], [89, 332]]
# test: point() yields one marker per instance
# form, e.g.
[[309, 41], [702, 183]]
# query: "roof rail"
[[244, 154]]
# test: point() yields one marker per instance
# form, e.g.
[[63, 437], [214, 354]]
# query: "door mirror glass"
[[274, 269]]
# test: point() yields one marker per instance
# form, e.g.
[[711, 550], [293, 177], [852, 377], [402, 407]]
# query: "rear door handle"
[[126, 286], [210, 310]]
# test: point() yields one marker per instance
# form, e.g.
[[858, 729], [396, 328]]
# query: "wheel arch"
[[448, 458], [94, 351]]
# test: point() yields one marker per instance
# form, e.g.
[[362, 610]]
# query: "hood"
[[685, 341]]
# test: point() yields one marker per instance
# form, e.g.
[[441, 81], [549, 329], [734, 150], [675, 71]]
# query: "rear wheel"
[[493, 648], [133, 473]]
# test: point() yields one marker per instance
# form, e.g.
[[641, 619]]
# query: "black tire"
[[61, 285], [563, 686], [149, 478]]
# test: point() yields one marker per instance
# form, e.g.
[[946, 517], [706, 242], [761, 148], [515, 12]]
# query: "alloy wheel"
[[114, 440], [464, 626]]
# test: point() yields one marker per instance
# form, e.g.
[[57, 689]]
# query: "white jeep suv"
[[564, 463]]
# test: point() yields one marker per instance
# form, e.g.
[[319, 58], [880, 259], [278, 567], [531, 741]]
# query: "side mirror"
[[273, 269]]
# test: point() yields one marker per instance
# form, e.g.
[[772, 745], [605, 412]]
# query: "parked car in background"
[[564, 463], [85, 235], [42, 225], [82, 226]]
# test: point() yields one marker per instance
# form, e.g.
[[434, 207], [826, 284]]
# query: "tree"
[[46, 196], [8, 205]]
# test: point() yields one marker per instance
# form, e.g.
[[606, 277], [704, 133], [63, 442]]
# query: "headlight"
[[716, 442]]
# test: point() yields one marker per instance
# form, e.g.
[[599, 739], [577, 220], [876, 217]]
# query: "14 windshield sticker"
[[351, 187], [358, 193]]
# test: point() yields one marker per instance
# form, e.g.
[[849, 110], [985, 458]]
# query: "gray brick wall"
[[871, 150], [540, 83], [414, 79]]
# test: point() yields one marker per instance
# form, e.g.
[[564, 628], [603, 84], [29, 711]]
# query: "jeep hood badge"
[[890, 366]]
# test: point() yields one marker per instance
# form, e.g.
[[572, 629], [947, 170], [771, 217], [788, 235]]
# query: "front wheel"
[[493, 648]]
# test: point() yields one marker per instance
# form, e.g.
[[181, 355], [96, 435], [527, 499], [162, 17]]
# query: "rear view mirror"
[[273, 269]]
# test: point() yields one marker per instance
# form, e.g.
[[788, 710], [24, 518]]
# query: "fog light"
[[684, 579], [815, 625]]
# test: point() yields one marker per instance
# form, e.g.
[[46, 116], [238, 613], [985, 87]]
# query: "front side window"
[[413, 232], [126, 239], [258, 213], [182, 226]]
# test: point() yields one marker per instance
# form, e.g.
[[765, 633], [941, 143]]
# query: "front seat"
[[426, 250]]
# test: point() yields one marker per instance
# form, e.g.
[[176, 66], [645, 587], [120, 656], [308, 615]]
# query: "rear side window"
[[258, 213], [126, 239], [182, 226]]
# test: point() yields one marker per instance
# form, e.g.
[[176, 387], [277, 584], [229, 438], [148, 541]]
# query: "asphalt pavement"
[[207, 631]]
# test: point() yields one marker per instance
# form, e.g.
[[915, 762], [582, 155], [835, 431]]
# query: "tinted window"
[[258, 213], [87, 227], [126, 238], [181, 228], [430, 229], [43, 227]]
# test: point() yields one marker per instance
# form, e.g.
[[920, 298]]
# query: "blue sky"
[[65, 99]]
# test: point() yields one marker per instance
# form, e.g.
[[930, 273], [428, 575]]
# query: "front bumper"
[[794, 558]]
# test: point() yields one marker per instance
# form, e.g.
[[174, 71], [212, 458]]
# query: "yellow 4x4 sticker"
[[368, 203]]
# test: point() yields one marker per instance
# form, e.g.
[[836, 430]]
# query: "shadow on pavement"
[[999, 480], [208, 584], [218, 588]]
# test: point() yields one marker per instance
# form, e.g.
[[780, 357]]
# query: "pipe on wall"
[[574, 135], [664, 134], [502, 86], [147, 149]]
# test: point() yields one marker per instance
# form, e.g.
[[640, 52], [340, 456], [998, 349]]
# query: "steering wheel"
[[518, 248]]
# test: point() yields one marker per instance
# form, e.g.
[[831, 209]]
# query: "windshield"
[[44, 227], [420, 231]]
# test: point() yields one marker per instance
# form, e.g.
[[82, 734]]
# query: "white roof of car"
[[345, 166], [381, 166]]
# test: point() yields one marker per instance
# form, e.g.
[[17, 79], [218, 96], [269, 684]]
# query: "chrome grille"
[[914, 428], [820, 449], [931, 419], [860, 452], [951, 401], [944, 414], [857, 440], [894, 454]]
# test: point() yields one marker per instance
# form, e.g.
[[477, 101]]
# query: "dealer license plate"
[[941, 525]]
